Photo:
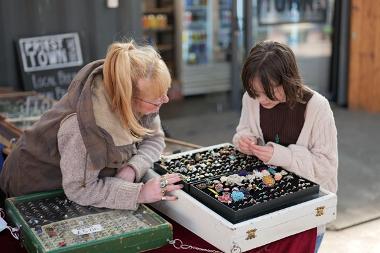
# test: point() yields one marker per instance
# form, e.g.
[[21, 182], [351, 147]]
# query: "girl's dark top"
[[283, 124]]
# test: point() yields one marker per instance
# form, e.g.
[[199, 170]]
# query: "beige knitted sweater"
[[315, 155], [76, 165]]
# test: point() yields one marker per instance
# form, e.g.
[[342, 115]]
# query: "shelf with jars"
[[159, 30]]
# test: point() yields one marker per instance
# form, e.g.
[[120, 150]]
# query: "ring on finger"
[[163, 191], [163, 182]]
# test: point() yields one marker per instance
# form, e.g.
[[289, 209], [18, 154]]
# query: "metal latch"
[[320, 211], [251, 234]]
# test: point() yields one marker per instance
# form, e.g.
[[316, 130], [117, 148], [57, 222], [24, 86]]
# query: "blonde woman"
[[99, 140]]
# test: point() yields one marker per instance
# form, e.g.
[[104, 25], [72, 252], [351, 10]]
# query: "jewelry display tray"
[[251, 211], [251, 233], [49, 222]]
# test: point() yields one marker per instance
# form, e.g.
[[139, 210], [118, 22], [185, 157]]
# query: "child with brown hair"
[[283, 122]]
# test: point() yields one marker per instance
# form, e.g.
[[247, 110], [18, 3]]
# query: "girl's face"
[[145, 102], [263, 99]]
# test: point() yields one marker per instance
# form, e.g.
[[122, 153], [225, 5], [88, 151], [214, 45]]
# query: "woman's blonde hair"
[[124, 65]]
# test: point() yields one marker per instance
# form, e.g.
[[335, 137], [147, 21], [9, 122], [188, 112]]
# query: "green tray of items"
[[49, 222]]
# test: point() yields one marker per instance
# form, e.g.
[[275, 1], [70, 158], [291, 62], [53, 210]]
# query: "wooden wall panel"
[[364, 65]]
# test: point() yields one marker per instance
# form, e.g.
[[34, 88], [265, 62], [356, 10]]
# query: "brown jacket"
[[34, 164]]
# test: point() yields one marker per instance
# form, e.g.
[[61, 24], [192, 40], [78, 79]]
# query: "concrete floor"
[[363, 238], [207, 120]]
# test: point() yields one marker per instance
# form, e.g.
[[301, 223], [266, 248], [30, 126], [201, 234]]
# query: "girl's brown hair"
[[124, 65], [274, 64]]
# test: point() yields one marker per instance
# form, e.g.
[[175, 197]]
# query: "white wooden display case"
[[252, 233]]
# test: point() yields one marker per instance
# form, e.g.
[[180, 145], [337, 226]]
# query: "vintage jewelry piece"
[[257, 174], [235, 189], [243, 173], [234, 179], [163, 182], [225, 198], [213, 191], [219, 187], [250, 178], [272, 169], [277, 139], [268, 180], [277, 176], [237, 196], [163, 198], [202, 186]]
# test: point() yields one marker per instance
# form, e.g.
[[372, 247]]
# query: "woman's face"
[[145, 102], [263, 99]]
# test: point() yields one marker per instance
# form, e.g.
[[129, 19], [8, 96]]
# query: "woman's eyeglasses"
[[157, 103]]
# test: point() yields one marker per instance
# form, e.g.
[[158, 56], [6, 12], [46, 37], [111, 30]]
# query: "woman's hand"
[[245, 143], [127, 173], [248, 145], [264, 153], [152, 191]]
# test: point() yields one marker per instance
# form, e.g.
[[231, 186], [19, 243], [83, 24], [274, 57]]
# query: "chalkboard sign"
[[272, 12], [49, 63]]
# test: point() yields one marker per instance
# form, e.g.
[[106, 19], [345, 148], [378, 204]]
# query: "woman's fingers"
[[244, 141], [171, 178], [170, 188], [244, 147], [173, 187], [248, 140], [264, 153], [259, 148], [169, 198]]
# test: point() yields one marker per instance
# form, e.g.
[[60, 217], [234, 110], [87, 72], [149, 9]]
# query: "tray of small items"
[[197, 166], [235, 185], [49, 222]]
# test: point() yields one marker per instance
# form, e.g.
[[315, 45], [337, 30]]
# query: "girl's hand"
[[245, 144], [264, 153], [152, 191]]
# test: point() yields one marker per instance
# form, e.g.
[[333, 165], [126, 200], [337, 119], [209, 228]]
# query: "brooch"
[[268, 180]]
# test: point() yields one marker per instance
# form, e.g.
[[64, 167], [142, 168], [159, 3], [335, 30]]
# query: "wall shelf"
[[163, 10], [160, 31]]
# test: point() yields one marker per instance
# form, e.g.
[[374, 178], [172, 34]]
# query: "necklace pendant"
[[277, 139]]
